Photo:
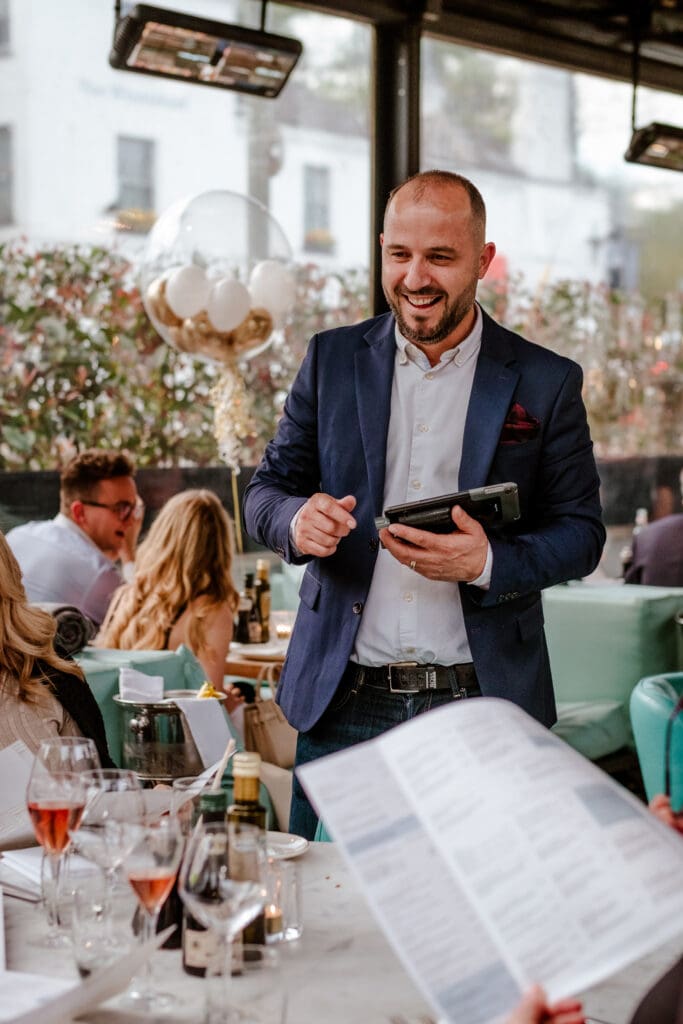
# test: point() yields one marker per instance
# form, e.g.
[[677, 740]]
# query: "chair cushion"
[[594, 728], [603, 638]]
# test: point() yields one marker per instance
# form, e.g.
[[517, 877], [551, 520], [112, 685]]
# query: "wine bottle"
[[254, 617], [263, 597], [244, 609], [198, 942], [247, 810]]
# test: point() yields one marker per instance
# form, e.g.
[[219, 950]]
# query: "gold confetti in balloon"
[[233, 422], [215, 251]]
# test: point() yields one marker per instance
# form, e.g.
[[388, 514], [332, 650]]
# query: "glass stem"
[[218, 973], [149, 923], [52, 895]]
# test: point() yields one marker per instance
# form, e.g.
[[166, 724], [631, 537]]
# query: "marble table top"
[[341, 971]]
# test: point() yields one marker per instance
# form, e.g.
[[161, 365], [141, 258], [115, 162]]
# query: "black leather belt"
[[409, 677]]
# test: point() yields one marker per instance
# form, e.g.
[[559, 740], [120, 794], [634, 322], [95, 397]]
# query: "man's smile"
[[421, 301]]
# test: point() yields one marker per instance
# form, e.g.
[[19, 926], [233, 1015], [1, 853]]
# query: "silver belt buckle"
[[401, 665]]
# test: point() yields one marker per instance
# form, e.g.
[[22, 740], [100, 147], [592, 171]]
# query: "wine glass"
[[55, 802], [62, 754], [151, 867], [222, 904], [111, 823], [68, 754]]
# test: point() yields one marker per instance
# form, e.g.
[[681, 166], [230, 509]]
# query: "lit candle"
[[273, 920]]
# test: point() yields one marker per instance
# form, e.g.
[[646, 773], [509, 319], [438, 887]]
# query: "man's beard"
[[453, 316]]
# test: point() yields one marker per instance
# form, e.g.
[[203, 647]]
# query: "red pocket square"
[[520, 426]]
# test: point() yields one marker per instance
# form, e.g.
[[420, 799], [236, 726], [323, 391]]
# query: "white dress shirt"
[[60, 563], [407, 617]]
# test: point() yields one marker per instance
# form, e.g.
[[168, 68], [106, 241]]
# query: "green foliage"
[[82, 365], [631, 353]]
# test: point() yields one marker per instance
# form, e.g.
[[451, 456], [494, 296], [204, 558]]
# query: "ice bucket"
[[155, 741]]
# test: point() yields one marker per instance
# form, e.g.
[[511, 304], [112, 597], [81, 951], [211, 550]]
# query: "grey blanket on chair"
[[74, 629]]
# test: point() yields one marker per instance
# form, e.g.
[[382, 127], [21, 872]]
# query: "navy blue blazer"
[[332, 438]]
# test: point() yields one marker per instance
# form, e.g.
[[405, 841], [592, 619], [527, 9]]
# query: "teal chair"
[[654, 707], [321, 833], [180, 671], [603, 638]]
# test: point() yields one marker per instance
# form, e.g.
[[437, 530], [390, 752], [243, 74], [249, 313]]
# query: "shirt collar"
[[468, 347], [69, 524]]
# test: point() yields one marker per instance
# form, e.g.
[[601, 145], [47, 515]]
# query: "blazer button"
[[358, 607], [374, 544]]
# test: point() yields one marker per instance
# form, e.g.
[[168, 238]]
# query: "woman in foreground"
[[41, 694]]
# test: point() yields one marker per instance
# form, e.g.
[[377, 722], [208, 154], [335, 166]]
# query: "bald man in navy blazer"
[[428, 399]]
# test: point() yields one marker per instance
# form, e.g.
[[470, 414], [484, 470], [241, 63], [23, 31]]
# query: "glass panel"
[[136, 173], [5, 175], [588, 246], [87, 367], [4, 26]]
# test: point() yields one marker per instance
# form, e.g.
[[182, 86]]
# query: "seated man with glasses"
[[71, 559]]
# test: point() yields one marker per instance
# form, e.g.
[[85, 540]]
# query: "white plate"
[[259, 652], [284, 845]]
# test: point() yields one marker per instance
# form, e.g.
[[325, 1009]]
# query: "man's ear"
[[77, 512], [486, 258]]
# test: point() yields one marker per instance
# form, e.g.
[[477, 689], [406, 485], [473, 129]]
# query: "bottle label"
[[199, 947], [254, 631]]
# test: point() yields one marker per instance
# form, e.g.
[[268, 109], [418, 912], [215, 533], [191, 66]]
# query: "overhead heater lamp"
[[169, 44], [660, 145]]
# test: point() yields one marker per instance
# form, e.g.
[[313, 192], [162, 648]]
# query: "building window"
[[4, 26], [317, 235], [6, 182], [135, 161]]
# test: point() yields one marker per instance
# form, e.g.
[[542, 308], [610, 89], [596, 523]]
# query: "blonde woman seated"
[[41, 694], [183, 591]]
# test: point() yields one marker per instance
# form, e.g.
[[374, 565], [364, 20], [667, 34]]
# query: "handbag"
[[266, 730]]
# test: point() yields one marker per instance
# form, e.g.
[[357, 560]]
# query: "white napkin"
[[134, 685], [208, 725]]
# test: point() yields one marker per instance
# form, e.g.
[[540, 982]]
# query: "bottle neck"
[[246, 789]]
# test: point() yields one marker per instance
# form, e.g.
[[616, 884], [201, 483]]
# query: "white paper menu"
[[16, 762], [494, 855]]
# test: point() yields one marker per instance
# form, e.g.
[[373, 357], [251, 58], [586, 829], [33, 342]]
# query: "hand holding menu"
[[494, 855]]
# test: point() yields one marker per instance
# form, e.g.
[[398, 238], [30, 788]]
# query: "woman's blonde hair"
[[26, 636], [187, 554]]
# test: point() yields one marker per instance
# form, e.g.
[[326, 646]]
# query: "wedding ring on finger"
[[411, 565]]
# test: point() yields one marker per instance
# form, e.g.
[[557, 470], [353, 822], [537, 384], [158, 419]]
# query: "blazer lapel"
[[495, 380], [374, 372]]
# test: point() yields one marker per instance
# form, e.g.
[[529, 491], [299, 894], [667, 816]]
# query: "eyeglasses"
[[123, 510]]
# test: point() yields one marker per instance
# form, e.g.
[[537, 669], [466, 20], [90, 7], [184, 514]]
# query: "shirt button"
[[416, 485], [408, 597], [429, 376], [357, 607], [424, 429]]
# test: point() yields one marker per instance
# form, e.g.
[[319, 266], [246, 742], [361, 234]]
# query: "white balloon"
[[187, 290], [272, 287], [228, 304]]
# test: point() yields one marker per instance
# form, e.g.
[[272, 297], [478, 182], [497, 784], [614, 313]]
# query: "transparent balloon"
[[196, 275]]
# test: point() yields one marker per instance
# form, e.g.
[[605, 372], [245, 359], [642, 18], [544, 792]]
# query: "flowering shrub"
[[631, 355], [81, 364]]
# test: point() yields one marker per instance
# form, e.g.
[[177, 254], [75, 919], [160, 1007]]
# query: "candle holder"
[[282, 911]]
